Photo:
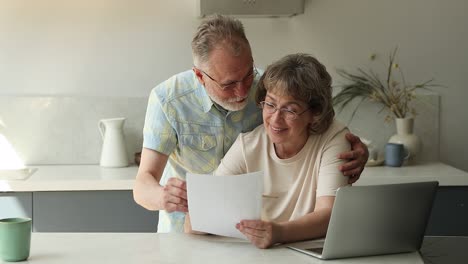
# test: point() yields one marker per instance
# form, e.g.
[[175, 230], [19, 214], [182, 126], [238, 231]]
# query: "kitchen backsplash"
[[64, 129]]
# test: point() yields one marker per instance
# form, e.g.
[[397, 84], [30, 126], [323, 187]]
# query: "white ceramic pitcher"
[[114, 150]]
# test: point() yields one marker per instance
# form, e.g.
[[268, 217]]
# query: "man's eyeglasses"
[[230, 86], [270, 109]]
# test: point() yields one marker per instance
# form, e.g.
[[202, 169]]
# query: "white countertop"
[[153, 248], [436, 171], [96, 178], [73, 178]]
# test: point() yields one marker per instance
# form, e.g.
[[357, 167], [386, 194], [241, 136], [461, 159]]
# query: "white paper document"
[[217, 203]]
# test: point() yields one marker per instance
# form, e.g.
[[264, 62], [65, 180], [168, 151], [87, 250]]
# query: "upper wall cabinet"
[[251, 8]]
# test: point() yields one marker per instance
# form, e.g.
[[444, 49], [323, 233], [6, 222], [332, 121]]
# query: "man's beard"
[[229, 104]]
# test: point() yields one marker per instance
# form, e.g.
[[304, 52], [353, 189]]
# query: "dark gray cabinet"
[[116, 211], [79, 211], [449, 216], [91, 211]]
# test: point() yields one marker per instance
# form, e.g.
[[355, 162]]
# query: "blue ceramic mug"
[[395, 154]]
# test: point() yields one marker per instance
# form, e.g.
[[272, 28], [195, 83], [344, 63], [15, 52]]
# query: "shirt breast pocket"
[[199, 142], [199, 150]]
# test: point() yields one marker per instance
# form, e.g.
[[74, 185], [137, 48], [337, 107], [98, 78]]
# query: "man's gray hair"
[[214, 31]]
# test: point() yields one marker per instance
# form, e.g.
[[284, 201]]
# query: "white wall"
[[92, 47], [432, 37], [123, 48]]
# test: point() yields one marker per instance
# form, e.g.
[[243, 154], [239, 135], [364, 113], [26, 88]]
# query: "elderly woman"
[[297, 148]]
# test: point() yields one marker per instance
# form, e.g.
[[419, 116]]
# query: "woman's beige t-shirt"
[[294, 183]]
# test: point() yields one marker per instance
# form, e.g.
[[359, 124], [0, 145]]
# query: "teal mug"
[[15, 239]]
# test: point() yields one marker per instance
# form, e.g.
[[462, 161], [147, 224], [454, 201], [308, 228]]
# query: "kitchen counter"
[[77, 198], [73, 178], [73, 248], [435, 171], [96, 178], [60, 197]]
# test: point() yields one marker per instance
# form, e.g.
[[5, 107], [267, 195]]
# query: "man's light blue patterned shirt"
[[182, 122]]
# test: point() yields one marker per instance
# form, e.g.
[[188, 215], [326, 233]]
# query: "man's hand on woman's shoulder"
[[356, 158]]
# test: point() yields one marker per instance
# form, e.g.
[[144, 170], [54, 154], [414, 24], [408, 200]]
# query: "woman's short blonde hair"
[[304, 78]]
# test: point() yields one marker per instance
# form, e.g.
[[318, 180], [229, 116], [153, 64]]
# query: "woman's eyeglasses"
[[287, 114]]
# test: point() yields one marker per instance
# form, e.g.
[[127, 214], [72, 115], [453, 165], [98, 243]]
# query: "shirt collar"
[[202, 95]]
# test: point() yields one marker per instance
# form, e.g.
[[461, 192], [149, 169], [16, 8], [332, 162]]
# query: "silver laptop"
[[375, 220]]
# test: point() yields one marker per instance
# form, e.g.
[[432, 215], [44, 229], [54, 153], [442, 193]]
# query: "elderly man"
[[194, 117]]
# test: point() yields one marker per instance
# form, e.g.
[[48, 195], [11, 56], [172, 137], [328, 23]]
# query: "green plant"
[[394, 94]]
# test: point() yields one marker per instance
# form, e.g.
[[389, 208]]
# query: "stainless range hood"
[[251, 8]]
